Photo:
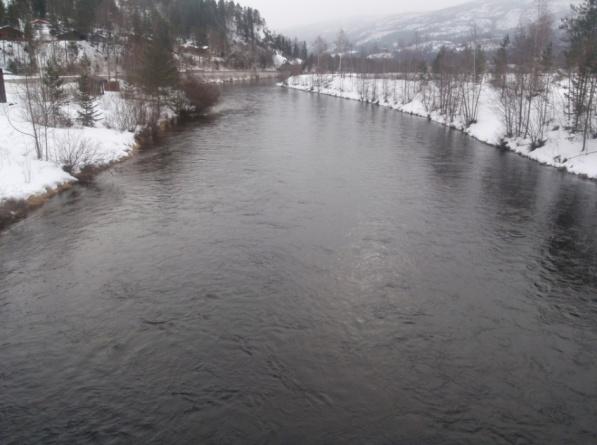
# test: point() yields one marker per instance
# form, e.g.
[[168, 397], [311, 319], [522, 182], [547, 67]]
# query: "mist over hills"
[[490, 19]]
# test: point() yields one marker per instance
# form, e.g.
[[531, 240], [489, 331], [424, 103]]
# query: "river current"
[[300, 269]]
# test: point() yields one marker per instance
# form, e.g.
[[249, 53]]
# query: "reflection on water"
[[302, 269]]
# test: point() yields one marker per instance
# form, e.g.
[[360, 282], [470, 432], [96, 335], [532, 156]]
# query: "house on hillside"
[[10, 34], [192, 56], [41, 30], [40, 22]]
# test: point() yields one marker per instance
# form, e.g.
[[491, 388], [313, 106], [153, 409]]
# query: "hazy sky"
[[281, 14]]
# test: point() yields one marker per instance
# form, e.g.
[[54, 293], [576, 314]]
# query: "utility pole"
[[2, 88]]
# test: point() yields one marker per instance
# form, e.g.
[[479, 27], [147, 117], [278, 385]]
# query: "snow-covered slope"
[[492, 19], [23, 176]]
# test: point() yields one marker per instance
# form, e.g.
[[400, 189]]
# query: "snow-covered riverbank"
[[24, 176], [561, 149]]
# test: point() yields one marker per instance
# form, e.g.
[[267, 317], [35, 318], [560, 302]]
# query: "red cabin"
[[10, 34]]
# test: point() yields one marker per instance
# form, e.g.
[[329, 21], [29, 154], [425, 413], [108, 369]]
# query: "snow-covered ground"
[[22, 175], [65, 53], [279, 60], [562, 150]]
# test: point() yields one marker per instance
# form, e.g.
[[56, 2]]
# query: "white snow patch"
[[22, 175]]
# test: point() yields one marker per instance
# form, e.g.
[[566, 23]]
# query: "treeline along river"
[[304, 269]]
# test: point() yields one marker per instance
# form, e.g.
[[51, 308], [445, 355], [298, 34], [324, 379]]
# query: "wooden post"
[[2, 88]]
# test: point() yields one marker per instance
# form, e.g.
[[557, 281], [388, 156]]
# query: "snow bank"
[[562, 150], [23, 176], [279, 59]]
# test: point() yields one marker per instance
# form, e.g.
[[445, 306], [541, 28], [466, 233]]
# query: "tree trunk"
[[588, 116]]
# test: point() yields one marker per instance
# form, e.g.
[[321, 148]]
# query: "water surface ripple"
[[303, 269]]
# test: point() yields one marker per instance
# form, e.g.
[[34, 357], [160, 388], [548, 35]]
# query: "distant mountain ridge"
[[451, 26]]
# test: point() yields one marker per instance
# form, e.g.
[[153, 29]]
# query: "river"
[[303, 269]]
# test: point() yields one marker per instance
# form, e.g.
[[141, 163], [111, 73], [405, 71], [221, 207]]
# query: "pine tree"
[[85, 14], [39, 8], [157, 70], [2, 13], [53, 88], [304, 53], [88, 114], [12, 15]]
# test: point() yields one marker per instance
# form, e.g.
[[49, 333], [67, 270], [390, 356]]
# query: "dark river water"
[[305, 270]]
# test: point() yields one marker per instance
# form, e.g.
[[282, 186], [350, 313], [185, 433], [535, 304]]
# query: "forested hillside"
[[429, 31], [235, 35]]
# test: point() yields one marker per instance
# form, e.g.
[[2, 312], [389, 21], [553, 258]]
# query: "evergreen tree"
[[64, 10], [53, 83], [85, 14], [2, 13], [88, 114], [304, 53], [14, 12], [28, 31], [39, 8], [53, 88], [55, 27], [157, 70]]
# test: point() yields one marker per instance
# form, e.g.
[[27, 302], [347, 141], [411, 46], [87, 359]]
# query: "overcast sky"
[[282, 14]]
